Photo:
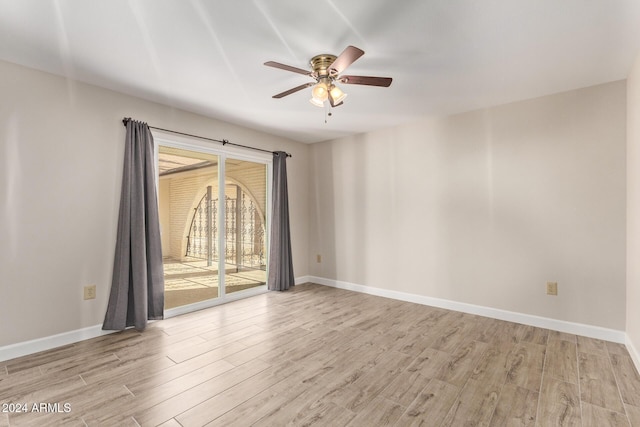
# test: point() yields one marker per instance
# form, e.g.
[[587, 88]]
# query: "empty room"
[[357, 213]]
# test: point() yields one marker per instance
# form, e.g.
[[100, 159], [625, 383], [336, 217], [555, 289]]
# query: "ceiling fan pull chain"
[[327, 114]]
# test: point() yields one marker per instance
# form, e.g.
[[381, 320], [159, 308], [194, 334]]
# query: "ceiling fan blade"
[[365, 80], [294, 90], [287, 68], [346, 58]]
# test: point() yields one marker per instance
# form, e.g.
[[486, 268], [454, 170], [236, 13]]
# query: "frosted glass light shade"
[[320, 92], [337, 95], [316, 102]]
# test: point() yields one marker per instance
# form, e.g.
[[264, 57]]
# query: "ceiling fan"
[[325, 70]]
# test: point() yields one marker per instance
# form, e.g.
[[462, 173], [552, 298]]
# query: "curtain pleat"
[[137, 287], [280, 258]]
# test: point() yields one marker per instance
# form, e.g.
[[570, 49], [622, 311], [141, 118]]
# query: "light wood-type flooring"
[[321, 356]]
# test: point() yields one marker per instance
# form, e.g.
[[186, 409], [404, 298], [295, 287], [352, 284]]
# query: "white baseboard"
[[41, 344], [47, 343], [633, 351], [494, 313], [303, 279]]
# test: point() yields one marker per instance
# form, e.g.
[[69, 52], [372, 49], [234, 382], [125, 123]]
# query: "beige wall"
[[61, 150], [484, 207], [633, 207]]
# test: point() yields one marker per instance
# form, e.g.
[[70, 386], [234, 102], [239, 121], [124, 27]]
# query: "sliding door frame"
[[223, 152]]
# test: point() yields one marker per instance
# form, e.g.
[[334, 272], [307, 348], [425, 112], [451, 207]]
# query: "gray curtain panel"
[[280, 259], [137, 288]]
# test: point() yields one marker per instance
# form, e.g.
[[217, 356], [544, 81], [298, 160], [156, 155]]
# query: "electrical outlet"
[[552, 288], [90, 292], [318, 258]]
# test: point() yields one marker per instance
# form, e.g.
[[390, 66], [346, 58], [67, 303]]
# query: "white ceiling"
[[206, 56]]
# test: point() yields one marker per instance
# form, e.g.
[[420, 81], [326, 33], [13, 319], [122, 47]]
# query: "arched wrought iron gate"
[[244, 244]]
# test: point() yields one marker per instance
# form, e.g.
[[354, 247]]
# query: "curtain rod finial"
[[126, 120]]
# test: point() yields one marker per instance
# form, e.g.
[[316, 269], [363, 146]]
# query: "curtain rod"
[[223, 141]]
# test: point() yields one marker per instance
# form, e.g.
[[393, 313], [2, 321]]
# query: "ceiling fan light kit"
[[320, 91], [325, 70], [316, 102], [337, 94]]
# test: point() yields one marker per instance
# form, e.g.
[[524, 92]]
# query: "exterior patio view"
[[207, 242]]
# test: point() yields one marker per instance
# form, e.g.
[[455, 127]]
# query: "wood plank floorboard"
[[559, 404], [516, 407], [633, 413], [431, 406], [320, 356], [597, 382], [525, 362], [535, 335], [595, 416], [562, 361], [592, 346], [627, 378]]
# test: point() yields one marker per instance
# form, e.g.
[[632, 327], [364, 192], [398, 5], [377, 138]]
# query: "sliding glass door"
[[245, 243], [213, 216]]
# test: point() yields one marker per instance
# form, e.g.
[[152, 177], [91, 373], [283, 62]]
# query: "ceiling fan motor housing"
[[320, 64]]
